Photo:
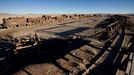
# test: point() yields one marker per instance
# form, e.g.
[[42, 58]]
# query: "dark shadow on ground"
[[65, 33], [72, 32], [103, 36], [50, 28], [46, 51]]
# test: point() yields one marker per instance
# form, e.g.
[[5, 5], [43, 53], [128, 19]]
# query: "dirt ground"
[[50, 30], [72, 62]]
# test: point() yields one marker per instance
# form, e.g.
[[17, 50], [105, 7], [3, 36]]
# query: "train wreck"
[[75, 54]]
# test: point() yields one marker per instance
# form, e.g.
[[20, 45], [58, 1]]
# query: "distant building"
[[38, 21], [44, 20], [14, 22]]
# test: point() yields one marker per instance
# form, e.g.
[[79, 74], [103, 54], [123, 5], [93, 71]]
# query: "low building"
[[14, 22], [38, 21]]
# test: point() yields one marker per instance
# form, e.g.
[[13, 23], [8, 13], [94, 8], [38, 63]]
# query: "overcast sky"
[[66, 6]]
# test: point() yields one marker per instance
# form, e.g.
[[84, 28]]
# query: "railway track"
[[87, 57], [76, 61], [84, 59]]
